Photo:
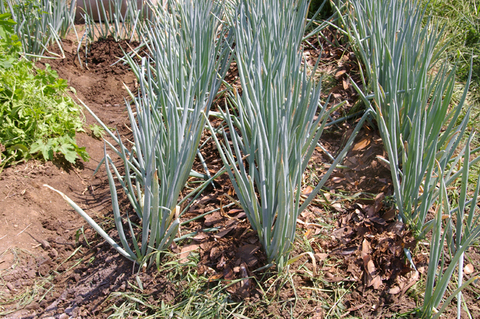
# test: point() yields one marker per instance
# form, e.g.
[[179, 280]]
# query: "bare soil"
[[53, 265]]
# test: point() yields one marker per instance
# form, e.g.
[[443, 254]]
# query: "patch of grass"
[[309, 284], [20, 297], [182, 291], [188, 294], [461, 19]]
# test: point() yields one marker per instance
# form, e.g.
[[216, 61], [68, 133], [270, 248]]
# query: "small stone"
[[63, 316], [53, 253], [468, 269], [33, 306], [45, 244]]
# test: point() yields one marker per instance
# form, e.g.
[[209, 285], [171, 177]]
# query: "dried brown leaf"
[[394, 290], [376, 282], [371, 267], [213, 218], [340, 73], [366, 248], [390, 214], [200, 237], [321, 256], [224, 232], [361, 145], [186, 250], [246, 254], [338, 207], [215, 277], [234, 211], [228, 274], [307, 191]]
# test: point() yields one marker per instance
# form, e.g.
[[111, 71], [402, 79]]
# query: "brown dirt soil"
[[53, 265]]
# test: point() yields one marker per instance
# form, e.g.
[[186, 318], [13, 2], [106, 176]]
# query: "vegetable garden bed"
[[53, 264]]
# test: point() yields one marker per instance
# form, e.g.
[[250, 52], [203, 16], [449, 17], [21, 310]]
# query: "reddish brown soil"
[[58, 268]]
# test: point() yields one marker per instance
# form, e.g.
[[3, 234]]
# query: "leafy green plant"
[[36, 114], [10, 46], [189, 57], [97, 131], [277, 124]]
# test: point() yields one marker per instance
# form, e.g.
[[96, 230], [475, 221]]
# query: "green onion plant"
[[412, 98], [117, 19], [421, 129], [456, 226], [40, 23], [189, 55], [275, 123]]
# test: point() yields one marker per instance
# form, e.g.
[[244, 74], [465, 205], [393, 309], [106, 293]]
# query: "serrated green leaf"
[[68, 150], [40, 146]]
